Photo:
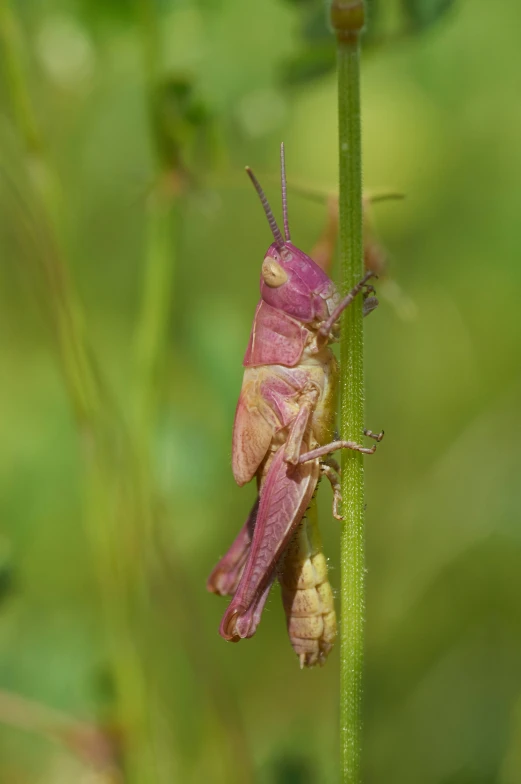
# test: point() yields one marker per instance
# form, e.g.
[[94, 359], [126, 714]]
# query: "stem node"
[[347, 18]]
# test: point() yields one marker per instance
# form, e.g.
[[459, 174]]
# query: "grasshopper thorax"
[[290, 280]]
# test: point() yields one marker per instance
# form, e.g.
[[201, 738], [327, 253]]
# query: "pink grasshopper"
[[283, 432]]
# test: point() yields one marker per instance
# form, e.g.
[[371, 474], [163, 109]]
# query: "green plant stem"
[[146, 13], [347, 20], [13, 64], [352, 418], [163, 225]]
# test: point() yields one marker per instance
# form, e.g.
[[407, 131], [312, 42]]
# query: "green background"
[[441, 124]]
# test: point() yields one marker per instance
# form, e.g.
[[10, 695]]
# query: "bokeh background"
[[131, 242]]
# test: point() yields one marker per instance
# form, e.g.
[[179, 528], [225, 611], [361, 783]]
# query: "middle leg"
[[330, 469], [332, 447]]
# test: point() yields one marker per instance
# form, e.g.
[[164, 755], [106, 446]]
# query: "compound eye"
[[273, 274]]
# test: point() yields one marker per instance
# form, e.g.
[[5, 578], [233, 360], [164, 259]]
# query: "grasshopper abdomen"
[[307, 595]]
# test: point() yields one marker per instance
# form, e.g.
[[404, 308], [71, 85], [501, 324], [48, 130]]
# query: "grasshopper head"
[[290, 279]]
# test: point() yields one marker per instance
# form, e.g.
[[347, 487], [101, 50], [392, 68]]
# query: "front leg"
[[324, 334], [327, 325]]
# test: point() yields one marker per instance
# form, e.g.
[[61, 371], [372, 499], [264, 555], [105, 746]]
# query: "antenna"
[[279, 239], [284, 192]]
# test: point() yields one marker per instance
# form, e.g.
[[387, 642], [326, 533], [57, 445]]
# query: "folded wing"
[[286, 493]]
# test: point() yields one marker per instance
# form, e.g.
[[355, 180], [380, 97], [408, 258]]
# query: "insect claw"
[[370, 304], [366, 450], [377, 436], [337, 499], [302, 660]]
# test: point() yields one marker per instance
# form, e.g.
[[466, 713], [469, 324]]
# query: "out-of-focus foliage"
[[441, 124], [388, 24]]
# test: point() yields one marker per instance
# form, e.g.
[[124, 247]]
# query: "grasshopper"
[[283, 435]]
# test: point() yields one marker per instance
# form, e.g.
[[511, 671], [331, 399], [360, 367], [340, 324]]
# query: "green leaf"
[[423, 13], [178, 115], [313, 63]]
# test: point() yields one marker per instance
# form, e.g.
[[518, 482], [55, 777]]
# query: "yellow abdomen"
[[307, 595]]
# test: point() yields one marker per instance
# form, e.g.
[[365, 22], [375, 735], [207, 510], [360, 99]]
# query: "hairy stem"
[[347, 19]]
